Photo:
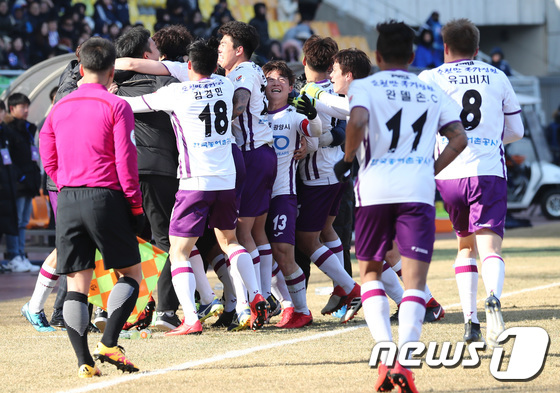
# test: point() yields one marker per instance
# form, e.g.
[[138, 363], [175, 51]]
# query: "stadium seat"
[[40, 213]]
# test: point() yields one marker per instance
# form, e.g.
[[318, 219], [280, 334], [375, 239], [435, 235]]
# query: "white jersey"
[[316, 169], [177, 70], [396, 156], [485, 96], [201, 114], [251, 129], [288, 127]]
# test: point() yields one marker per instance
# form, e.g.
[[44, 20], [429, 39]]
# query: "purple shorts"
[[412, 225], [191, 209], [474, 203], [239, 172], [281, 219], [260, 167], [53, 199], [316, 203]]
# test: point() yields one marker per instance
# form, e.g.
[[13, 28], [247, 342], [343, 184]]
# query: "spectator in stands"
[[275, 51], [308, 8], [114, 31], [47, 10], [499, 62], [260, 23], [34, 16], [79, 16], [225, 18], [286, 10], [176, 13], [122, 12], [294, 37], [20, 20], [163, 19], [434, 25], [220, 10], [39, 48], [197, 26], [104, 14], [18, 57], [7, 20], [552, 133], [53, 32], [425, 55], [4, 44], [67, 28]]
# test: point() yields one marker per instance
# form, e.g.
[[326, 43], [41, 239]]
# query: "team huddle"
[[260, 173]]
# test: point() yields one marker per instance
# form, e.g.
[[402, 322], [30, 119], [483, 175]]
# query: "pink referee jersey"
[[88, 141]]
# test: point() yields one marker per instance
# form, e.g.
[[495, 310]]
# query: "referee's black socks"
[[120, 304]]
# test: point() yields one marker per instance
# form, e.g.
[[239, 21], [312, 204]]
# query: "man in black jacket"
[[157, 159]]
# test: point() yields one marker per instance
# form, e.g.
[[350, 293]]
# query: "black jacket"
[[8, 211], [155, 138]]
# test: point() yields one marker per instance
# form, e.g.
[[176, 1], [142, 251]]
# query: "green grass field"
[[325, 357]]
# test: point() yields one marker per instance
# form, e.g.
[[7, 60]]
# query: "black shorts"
[[90, 219]]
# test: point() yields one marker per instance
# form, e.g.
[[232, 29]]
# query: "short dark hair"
[[97, 54], [282, 67], [53, 92], [319, 51], [242, 34], [355, 61], [173, 41], [461, 36], [17, 99], [203, 57], [2, 105], [133, 43], [395, 41]]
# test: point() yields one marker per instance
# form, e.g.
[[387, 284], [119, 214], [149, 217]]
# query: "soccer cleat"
[[286, 316], [56, 318], [434, 311], [241, 321], [185, 329], [352, 309], [258, 312], [87, 371], [38, 321], [394, 319], [383, 383], [472, 332], [115, 356], [225, 319], [167, 320], [336, 301], [298, 320], [403, 379], [100, 319], [144, 318], [274, 307], [212, 309], [494, 320]]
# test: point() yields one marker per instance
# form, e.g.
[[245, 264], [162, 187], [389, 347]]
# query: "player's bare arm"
[[240, 101], [355, 132], [457, 137], [143, 66]]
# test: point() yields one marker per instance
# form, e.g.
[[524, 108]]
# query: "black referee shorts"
[[90, 218]]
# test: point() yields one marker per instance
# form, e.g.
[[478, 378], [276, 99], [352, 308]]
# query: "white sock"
[[279, 288], [328, 263], [296, 286], [427, 293], [220, 266], [202, 285], [391, 283], [493, 274], [242, 266], [184, 283], [466, 275], [397, 267], [411, 316], [46, 281], [336, 247], [255, 256], [376, 313], [265, 253]]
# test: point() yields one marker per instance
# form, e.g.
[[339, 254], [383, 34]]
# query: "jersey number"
[[470, 115], [220, 122], [394, 126]]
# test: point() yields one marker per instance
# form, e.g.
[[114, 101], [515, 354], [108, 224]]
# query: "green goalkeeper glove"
[[312, 89]]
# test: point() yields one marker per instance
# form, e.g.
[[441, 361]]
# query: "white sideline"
[[247, 351]]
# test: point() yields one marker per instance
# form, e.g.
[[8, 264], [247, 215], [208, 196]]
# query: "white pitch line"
[[247, 351]]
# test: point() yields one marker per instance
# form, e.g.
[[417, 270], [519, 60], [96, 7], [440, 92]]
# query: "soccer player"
[[473, 187], [289, 126], [394, 118], [99, 205], [254, 138], [320, 192], [201, 111]]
